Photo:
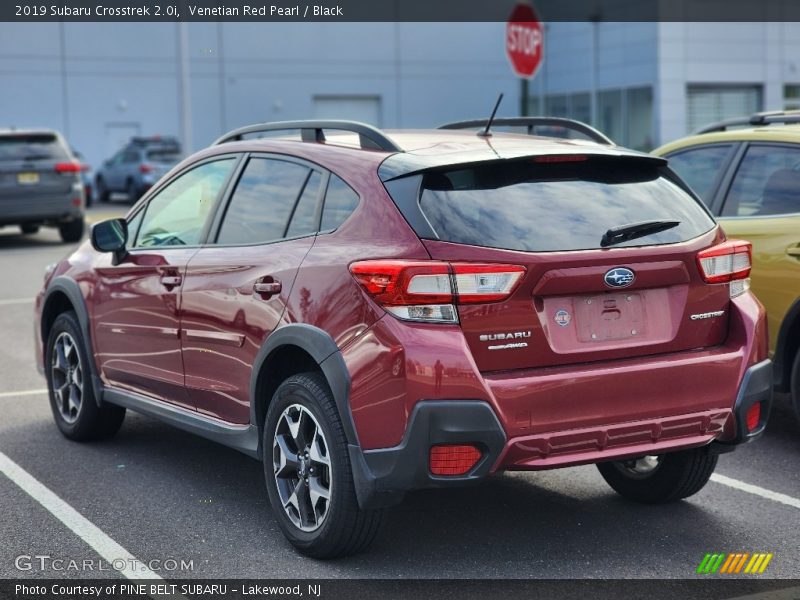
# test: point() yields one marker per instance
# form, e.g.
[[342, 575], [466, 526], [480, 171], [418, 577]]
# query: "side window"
[[262, 202], [133, 226], [699, 167], [767, 182], [340, 201], [177, 215], [305, 213], [131, 156]]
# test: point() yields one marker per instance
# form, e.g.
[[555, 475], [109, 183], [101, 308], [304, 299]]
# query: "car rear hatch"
[[589, 258], [35, 164]]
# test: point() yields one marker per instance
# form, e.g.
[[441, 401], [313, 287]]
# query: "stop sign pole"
[[524, 47]]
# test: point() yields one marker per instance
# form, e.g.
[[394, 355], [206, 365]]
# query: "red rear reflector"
[[453, 460], [145, 168], [561, 158], [753, 416], [68, 167], [725, 262], [76, 202]]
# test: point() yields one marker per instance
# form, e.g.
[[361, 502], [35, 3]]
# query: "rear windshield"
[[163, 156], [31, 146], [541, 207]]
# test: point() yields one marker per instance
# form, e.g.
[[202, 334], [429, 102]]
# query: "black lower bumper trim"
[[382, 476], [756, 387]]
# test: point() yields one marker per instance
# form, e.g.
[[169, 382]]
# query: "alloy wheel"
[[302, 468], [67, 377]]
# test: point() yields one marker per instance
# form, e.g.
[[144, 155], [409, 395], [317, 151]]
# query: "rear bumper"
[[383, 476], [59, 207]]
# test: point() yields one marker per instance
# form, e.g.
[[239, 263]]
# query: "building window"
[[707, 104], [639, 113], [609, 114], [791, 97]]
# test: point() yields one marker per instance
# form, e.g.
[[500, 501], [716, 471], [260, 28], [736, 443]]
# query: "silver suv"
[[40, 183], [136, 167]]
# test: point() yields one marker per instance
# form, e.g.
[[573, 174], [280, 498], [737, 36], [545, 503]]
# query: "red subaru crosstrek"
[[373, 313]]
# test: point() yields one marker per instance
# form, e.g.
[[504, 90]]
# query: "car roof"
[[10, 131], [768, 133]]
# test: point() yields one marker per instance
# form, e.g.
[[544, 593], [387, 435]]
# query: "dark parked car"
[[137, 167], [40, 183], [373, 313]]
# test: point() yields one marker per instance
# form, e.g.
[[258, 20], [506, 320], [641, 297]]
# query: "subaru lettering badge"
[[619, 277]]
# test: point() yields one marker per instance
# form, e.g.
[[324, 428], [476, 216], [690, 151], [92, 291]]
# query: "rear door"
[[136, 303], [578, 301], [762, 205], [236, 287]]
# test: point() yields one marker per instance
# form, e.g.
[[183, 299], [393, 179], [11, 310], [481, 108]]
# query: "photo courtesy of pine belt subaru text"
[[371, 312]]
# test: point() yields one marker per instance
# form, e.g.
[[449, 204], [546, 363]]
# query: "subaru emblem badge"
[[619, 277]]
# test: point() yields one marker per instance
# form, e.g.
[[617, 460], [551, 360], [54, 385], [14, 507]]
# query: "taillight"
[[145, 168], [68, 167], [430, 290], [728, 262], [453, 459]]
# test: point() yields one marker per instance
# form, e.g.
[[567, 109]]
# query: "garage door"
[[366, 109], [709, 104]]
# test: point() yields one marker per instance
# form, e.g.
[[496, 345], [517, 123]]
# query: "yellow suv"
[[747, 171]]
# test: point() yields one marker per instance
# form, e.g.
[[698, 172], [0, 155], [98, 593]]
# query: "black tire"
[[72, 231], [677, 475], [794, 385], [345, 528], [88, 421], [29, 228], [133, 192], [103, 195]]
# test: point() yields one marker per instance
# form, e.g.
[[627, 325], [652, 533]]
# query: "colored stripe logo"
[[735, 563]]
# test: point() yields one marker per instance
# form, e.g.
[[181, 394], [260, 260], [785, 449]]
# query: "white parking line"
[[22, 393], [11, 301], [754, 489], [110, 550]]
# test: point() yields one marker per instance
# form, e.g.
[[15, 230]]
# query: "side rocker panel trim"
[[243, 438]]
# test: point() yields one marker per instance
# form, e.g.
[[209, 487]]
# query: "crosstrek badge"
[[562, 317]]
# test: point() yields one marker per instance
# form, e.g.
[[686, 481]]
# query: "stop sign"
[[524, 41]]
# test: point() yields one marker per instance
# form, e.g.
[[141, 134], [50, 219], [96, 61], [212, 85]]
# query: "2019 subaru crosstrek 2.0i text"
[[370, 313]]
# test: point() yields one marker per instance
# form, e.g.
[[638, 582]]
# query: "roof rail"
[[531, 122], [369, 137], [756, 119]]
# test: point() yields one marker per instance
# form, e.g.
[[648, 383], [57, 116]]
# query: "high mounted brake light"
[[728, 262], [560, 158], [429, 290]]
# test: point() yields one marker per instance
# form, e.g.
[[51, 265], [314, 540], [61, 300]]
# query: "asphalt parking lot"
[[163, 494]]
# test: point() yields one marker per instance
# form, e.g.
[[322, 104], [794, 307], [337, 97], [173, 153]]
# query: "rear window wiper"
[[631, 231]]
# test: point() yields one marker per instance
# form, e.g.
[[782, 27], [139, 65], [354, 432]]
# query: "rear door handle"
[[171, 281], [793, 251], [266, 289]]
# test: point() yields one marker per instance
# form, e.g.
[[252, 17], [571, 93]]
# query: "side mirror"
[[111, 236]]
